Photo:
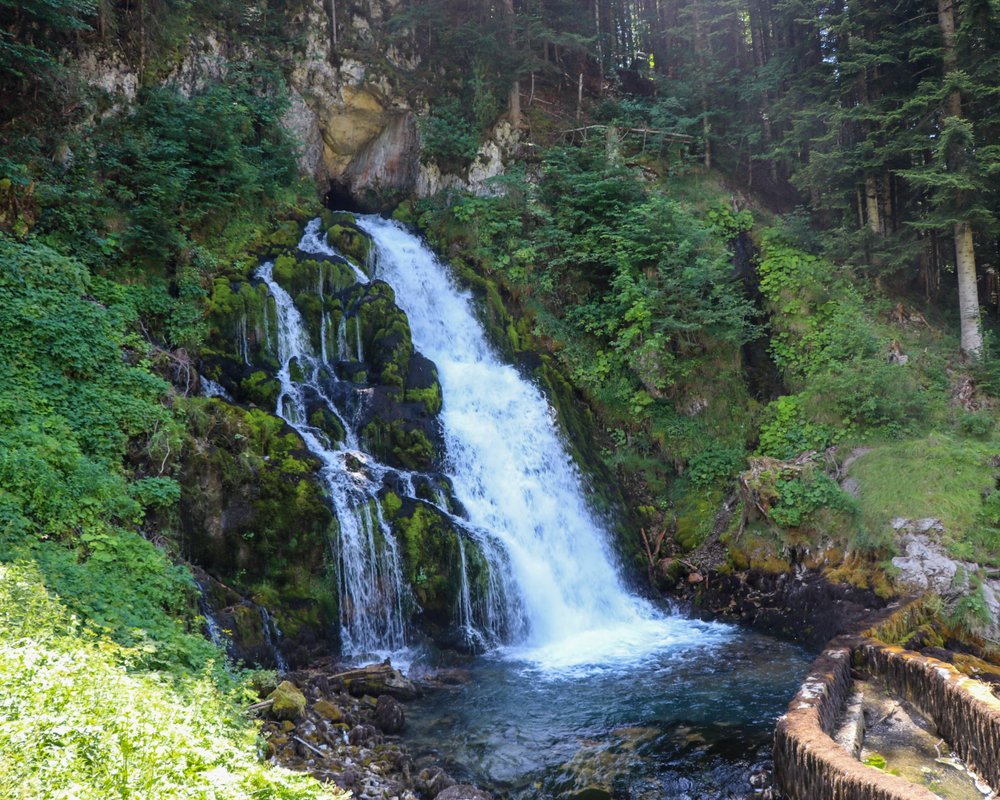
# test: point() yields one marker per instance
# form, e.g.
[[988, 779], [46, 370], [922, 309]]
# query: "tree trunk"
[[965, 251], [871, 205], [515, 89], [968, 290]]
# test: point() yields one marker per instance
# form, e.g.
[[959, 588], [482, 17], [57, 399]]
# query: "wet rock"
[[364, 735], [328, 711], [590, 793], [348, 779], [463, 791], [389, 714], [432, 781], [289, 703], [449, 676], [379, 679]]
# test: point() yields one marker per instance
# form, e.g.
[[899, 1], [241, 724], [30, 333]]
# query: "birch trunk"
[[968, 290], [965, 252]]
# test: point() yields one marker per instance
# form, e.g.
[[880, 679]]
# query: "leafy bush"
[[76, 724], [786, 430], [713, 465], [802, 497]]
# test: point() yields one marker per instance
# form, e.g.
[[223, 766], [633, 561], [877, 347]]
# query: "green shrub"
[[79, 723], [448, 136], [802, 497], [787, 432], [713, 465]]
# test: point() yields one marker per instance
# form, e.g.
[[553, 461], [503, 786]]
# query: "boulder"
[[364, 735], [289, 703], [379, 679], [389, 714]]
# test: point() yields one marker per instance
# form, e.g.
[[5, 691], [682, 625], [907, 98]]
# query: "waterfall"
[[552, 590], [210, 388], [512, 474]]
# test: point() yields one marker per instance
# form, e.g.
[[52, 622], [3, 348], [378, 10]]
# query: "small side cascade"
[[243, 339], [210, 388], [464, 595], [215, 634], [342, 338], [272, 639]]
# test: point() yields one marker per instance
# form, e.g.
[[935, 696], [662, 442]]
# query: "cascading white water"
[[370, 580], [511, 472]]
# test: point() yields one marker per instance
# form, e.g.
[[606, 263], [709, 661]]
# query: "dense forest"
[[748, 250]]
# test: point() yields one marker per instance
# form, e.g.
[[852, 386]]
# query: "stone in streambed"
[[389, 714], [590, 793], [432, 781], [463, 792], [328, 711], [289, 703]]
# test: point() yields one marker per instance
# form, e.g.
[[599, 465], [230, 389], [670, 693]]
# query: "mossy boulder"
[[399, 444], [242, 322], [385, 334], [288, 702]]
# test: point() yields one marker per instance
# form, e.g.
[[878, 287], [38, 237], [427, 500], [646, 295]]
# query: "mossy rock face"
[[261, 389], [422, 385], [400, 444], [242, 325], [385, 335], [320, 416], [350, 240], [253, 514], [432, 564], [317, 285]]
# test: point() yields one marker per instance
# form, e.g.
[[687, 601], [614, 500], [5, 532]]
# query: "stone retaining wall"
[[808, 764], [965, 711]]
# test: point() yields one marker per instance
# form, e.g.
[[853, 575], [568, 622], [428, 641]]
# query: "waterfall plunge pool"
[[692, 720]]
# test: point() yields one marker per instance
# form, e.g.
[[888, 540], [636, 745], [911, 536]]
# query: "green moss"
[[327, 421], [430, 398], [287, 234], [351, 242], [391, 504], [253, 512], [261, 389], [398, 444], [385, 335], [695, 518], [430, 561]]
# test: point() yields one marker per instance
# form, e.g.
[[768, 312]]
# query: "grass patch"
[[938, 476]]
